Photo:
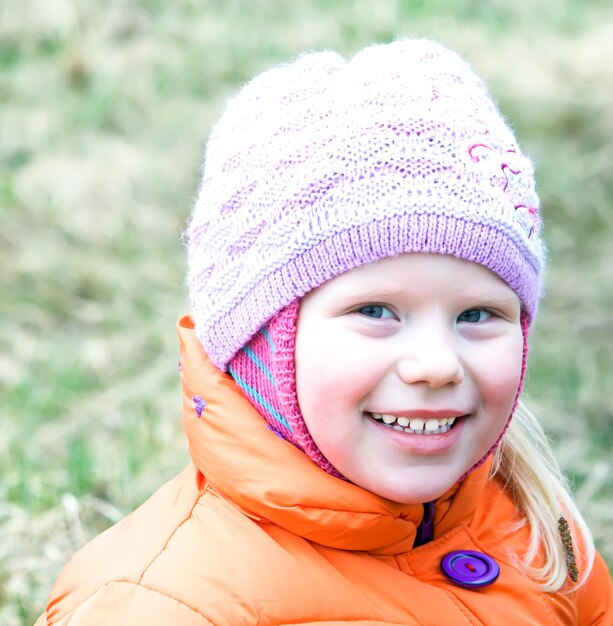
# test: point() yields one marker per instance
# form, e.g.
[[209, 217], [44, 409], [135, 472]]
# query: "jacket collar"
[[271, 480]]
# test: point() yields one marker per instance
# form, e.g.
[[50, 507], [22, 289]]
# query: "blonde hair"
[[524, 463]]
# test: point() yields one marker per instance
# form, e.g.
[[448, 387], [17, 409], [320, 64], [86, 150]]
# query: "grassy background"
[[104, 110]]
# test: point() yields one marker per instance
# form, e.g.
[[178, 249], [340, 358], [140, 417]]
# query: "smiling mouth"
[[416, 425]]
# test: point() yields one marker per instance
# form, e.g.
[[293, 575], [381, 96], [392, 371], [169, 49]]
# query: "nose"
[[431, 357]]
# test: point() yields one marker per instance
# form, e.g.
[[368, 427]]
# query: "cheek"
[[315, 370], [502, 375], [333, 369]]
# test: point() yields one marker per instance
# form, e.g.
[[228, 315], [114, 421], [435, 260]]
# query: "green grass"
[[105, 108]]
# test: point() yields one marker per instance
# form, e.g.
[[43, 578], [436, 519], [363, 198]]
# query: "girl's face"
[[407, 371]]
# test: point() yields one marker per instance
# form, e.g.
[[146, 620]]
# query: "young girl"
[[365, 264]]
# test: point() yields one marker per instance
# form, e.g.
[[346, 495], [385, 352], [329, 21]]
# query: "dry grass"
[[105, 107]]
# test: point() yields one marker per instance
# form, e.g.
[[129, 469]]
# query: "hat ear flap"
[[265, 371]]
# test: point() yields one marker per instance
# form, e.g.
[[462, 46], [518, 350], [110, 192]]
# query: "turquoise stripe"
[[254, 357], [256, 395], [268, 338]]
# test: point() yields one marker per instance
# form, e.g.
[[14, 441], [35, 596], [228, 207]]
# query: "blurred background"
[[104, 110]]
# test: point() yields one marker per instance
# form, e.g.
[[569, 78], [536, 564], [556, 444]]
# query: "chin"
[[417, 497], [411, 494]]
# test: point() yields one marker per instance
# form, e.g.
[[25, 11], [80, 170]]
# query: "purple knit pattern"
[[324, 165]]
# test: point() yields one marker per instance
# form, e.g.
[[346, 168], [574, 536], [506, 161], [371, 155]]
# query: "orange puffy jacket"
[[255, 533]]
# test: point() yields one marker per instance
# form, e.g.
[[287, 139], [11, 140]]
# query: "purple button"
[[470, 569]]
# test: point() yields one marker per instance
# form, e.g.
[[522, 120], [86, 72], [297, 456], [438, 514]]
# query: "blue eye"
[[376, 311], [474, 316]]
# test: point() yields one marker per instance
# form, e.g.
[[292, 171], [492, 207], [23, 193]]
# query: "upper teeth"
[[418, 424]]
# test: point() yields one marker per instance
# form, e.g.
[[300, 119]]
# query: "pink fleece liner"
[[265, 370], [285, 370]]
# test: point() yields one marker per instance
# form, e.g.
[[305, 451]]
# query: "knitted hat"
[[324, 165]]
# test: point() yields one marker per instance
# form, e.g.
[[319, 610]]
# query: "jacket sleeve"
[[127, 604], [595, 601]]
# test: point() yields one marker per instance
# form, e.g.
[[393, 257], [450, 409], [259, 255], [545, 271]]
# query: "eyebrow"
[[501, 300], [376, 293], [478, 298]]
